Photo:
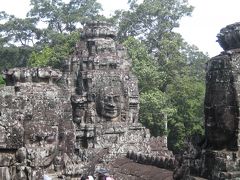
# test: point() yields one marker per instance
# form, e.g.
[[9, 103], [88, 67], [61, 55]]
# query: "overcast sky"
[[208, 17]]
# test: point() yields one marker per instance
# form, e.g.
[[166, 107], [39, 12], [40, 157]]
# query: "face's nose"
[[40, 140], [41, 143], [111, 101]]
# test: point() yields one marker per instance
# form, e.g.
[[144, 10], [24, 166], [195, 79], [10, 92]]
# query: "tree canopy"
[[51, 24], [170, 71]]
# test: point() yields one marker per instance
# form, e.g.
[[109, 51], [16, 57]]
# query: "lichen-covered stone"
[[32, 111]]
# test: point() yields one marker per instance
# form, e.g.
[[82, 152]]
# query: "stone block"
[[4, 173]]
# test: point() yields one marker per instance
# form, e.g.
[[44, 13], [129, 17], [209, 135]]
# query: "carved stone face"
[[109, 103], [221, 104], [21, 154], [220, 126], [41, 142], [111, 106], [78, 105]]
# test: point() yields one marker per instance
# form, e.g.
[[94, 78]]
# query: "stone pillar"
[[221, 155], [166, 128]]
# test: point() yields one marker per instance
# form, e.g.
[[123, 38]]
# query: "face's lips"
[[111, 111], [111, 108]]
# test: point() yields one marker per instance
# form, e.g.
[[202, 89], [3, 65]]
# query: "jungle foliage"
[[171, 73]]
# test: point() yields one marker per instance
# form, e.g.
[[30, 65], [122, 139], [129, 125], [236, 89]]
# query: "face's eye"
[[38, 138], [32, 138], [116, 99], [107, 99], [50, 139]]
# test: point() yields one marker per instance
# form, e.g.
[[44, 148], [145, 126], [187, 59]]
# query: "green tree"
[[152, 19], [60, 35], [153, 102], [13, 56], [153, 22], [63, 17], [154, 109], [170, 71], [144, 65], [18, 31], [54, 54], [182, 98], [43, 58], [186, 94], [1, 80], [16, 39], [196, 61]]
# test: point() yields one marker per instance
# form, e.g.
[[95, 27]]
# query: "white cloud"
[[18, 8]]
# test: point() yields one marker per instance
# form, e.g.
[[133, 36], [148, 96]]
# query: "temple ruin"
[[66, 123], [75, 121]]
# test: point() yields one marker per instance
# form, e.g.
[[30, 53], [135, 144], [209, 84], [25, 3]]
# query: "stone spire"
[[104, 81]]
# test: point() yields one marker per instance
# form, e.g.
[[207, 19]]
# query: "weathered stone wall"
[[35, 123]]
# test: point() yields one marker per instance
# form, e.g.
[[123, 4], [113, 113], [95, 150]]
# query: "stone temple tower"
[[107, 88], [222, 107], [105, 101]]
